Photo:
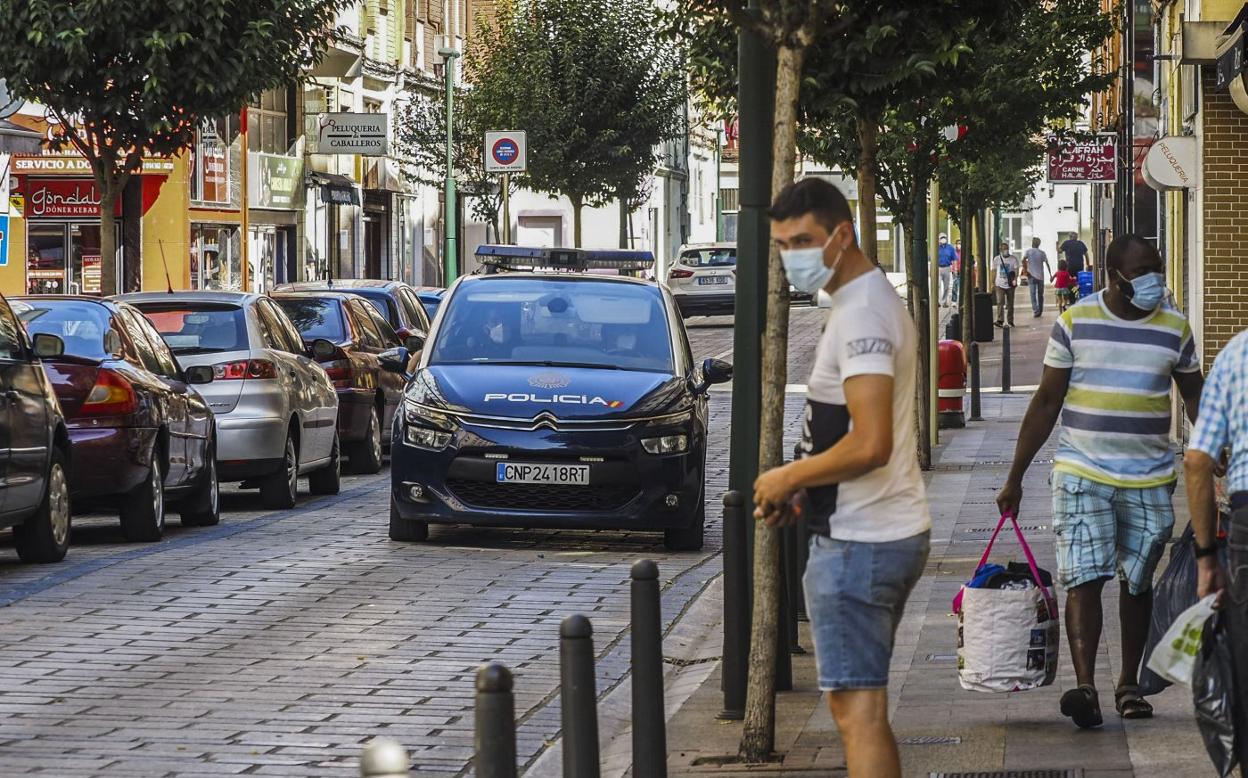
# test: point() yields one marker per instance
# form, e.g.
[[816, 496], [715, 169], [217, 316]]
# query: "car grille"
[[543, 497]]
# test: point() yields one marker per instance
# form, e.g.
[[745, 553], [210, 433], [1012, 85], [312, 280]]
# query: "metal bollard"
[[784, 653], [1005, 360], [737, 581], [793, 584], [975, 410], [578, 698], [649, 719], [383, 758], [495, 736]]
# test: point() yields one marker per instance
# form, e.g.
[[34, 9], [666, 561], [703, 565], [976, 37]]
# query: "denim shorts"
[[1104, 530], [855, 595]]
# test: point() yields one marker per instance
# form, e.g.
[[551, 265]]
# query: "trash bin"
[[953, 329], [983, 318], [951, 384], [1087, 282]]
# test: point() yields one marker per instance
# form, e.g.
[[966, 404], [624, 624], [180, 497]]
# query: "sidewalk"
[[944, 730]]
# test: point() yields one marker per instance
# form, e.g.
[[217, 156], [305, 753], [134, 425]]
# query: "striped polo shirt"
[[1116, 418]]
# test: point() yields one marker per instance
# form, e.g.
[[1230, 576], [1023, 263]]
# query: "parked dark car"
[[367, 395], [34, 445], [430, 299], [140, 433], [397, 302]]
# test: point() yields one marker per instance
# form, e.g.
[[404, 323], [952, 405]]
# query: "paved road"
[[278, 642]]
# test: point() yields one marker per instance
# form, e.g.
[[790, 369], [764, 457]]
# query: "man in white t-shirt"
[[864, 500], [1005, 266]]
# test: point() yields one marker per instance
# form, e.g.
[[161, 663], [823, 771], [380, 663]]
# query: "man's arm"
[[1041, 416], [867, 446], [1198, 468], [1189, 385]]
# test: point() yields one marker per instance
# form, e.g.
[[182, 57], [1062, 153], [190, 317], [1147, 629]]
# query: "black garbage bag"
[[1173, 593], [1213, 694]]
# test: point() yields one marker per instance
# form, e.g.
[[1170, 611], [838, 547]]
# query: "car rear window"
[[82, 325], [382, 302], [198, 328], [315, 317], [722, 257]]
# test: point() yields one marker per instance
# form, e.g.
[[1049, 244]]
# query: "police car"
[[553, 394]]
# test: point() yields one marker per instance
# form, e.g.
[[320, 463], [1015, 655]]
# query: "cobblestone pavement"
[[279, 642]]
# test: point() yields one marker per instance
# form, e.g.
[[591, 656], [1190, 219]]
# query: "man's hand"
[[772, 492], [1209, 578], [1009, 498]]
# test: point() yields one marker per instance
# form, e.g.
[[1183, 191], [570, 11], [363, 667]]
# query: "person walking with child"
[[1036, 269]]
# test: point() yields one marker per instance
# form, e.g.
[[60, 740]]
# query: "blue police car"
[[550, 394]]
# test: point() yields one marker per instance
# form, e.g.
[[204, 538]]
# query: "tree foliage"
[[592, 83], [135, 79]]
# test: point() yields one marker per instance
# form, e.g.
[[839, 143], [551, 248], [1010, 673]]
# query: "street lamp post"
[[450, 206]]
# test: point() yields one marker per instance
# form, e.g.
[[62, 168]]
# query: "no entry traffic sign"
[[506, 152]]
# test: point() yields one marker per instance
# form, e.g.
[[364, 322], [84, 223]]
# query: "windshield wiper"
[[199, 350], [556, 363]]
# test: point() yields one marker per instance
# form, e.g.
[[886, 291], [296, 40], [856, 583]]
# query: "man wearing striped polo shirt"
[[1107, 372]]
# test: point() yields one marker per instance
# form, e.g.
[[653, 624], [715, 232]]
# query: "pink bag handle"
[[1031, 563]]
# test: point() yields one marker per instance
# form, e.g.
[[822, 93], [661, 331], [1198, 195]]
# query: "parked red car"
[[367, 395], [139, 431]]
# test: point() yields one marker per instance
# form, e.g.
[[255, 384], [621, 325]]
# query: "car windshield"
[[709, 257], [575, 323], [81, 325], [315, 317], [198, 328]]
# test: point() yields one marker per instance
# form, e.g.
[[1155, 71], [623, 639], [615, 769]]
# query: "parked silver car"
[[276, 408]]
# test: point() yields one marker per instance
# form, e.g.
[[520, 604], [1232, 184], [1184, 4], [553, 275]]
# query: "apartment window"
[[730, 199], [267, 123]]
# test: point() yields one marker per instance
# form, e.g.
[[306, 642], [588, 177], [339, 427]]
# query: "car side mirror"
[[716, 371], [199, 374], [322, 349], [414, 342], [48, 346], [394, 360]]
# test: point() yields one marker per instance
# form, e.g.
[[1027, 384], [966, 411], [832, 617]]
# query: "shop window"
[[210, 161], [216, 257]]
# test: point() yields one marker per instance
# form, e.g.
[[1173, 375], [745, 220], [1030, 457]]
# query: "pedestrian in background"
[[866, 506], [1064, 283], [1223, 424], [957, 272], [945, 257], [1108, 369], [1006, 267], [1036, 268], [1076, 253]]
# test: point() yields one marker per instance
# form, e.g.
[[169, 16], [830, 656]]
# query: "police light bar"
[[530, 257]]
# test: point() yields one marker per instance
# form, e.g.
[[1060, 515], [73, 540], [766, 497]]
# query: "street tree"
[[593, 84], [420, 135], [126, 81]]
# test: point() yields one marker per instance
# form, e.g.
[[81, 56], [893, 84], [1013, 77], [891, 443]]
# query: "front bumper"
[[248, 447], [109, 460], [628, 488]]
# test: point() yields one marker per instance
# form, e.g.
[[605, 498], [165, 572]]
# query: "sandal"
[[1130, 704], [1083, 707]]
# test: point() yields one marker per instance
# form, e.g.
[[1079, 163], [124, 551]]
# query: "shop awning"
[[15, 139], [1172, 164], [336, 189], [1230, 62]]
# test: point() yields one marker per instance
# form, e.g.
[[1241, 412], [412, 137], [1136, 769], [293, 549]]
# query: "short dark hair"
[[1123, 245], [814, 196]]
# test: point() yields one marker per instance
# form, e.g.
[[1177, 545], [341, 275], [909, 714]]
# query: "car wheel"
[[365, 456], [203, 507], [409, 530], [328, 480], [691, 537], [280, 489], [44, 537], [143, 510]]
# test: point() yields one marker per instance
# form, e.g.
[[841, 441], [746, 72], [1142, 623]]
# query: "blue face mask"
[[805, 269], [1145, 292]]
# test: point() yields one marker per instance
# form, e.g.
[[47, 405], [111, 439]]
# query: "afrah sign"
[[366, 134]]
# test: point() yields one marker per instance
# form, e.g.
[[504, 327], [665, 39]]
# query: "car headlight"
[[667, 444], [414, 413], [423, 437]]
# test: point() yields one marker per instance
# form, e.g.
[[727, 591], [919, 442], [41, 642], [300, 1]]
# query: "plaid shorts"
[[1105, 530]]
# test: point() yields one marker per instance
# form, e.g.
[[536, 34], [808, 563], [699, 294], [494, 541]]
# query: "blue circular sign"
[[505, 151]]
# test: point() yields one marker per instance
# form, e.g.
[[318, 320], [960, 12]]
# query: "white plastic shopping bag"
[[1175, 656], [1007, 638]]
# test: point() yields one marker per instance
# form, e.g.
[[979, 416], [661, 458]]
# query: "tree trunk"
[[966, 300], [623, 223], [110, 190], [919, 290], [759, 734], [868, 133], [578, 203]]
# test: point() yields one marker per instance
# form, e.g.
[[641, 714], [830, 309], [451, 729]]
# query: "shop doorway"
[[374, 246], [64, 258]]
